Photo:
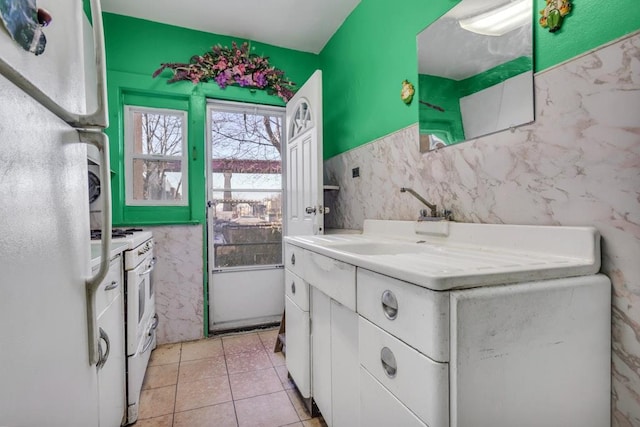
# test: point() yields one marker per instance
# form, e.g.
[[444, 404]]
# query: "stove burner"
[[115, 233]]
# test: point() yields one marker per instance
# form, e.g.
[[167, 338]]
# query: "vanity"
[[439, 323]]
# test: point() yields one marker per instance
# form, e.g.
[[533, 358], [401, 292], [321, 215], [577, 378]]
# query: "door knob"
[[310, 210]]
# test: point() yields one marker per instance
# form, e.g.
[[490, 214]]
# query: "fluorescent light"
[[501, 20]]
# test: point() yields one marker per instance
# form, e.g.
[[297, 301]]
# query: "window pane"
[[243, 136], [157, 180], [157, 133], [247, 228]]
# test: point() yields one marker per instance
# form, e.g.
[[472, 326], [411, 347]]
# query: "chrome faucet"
[[432, 207]]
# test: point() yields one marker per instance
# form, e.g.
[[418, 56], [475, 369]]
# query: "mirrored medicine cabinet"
[[475, 71]]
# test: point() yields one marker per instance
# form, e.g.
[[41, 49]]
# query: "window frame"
[[130, 156]]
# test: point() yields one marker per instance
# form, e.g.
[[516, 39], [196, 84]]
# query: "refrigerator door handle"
[[99, 139], [98, 118]]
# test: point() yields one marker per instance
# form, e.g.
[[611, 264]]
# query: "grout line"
[[175, 397]]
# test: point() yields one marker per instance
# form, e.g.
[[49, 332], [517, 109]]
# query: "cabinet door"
[[298, 356], [345, 365], [111, 377], [321, 352]]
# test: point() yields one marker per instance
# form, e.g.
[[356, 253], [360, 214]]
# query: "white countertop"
[[448, 255]]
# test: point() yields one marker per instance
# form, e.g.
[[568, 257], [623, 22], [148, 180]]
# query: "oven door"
[[140, 305]]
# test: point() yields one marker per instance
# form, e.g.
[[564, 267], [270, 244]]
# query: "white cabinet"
[[322, 333], [321, 352], [112, 365], [334, 332], [335, 373], [345, 384], [388, 350], [298, 332]]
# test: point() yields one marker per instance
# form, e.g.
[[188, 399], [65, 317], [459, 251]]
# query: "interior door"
[[304, 202]]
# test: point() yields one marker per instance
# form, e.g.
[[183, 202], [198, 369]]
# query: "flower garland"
[[232, 66]]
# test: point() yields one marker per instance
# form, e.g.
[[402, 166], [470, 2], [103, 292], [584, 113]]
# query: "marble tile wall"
[[577, 164], [178, 280]]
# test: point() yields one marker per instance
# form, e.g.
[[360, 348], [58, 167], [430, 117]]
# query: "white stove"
[[141, 320]]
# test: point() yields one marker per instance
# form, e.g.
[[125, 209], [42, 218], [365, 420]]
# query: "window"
[[155, 156], [245, 184]]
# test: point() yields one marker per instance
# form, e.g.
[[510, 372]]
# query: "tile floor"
[[233, 380]]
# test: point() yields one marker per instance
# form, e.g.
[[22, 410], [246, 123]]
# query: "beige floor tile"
[[165, 354], [155, 402], [160, 376], [201, 393], [294, 425], [269, 410], [268, 338], [222, 415], [314, 422], [277, 359], [241, 343], [248, 361], [201, 349], [193, 370], [298, 404], [255, 383], [283, 374], [164, 421]]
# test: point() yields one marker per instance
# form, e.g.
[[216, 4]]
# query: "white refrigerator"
[[48, 342]]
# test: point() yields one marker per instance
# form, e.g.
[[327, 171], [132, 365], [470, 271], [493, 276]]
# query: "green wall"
[[370, 55], [363, 66], [443, 93], [135, 49]]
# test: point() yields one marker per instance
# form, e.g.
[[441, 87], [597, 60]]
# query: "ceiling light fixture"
[[501, 20]]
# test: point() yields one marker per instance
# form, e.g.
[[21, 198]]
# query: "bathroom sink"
[[379, 248]]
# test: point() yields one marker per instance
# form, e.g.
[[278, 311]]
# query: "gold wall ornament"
[[553, 14], [407, 92]]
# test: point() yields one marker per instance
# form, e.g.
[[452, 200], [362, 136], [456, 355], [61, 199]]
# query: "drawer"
[[379, 408], [110, 287], [296, 289], [333, 278], [421, 384], [293, 259], [416, 315]]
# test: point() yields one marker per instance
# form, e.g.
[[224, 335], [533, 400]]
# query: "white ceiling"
[[305, 25]]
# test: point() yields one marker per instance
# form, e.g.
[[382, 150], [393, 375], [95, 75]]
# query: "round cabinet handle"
[[389, 305], [293, 287], [293, 259], [388, 361]]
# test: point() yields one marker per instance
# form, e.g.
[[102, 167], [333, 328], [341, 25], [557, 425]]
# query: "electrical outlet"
[[355, 172]]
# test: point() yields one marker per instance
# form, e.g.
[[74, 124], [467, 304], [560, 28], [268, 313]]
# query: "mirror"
[[475, 71]]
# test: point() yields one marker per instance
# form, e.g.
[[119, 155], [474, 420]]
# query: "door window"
[[245, 191]]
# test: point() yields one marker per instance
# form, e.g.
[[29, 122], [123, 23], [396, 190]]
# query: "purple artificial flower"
[[260, 79], [244, 80], [222, 79]]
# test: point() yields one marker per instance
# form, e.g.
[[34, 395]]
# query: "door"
[[304, 201], [245, 189]]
